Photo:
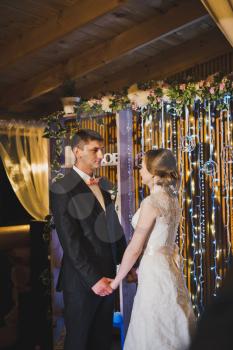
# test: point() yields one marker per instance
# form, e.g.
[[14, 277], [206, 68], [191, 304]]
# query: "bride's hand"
[[113, 285]]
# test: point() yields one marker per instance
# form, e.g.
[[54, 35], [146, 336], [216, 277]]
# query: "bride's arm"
[[144, 226]]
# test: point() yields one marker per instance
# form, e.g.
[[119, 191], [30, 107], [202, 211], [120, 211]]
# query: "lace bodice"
[[168, 214]]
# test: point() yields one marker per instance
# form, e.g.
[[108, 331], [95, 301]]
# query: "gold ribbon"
[[171, 252]]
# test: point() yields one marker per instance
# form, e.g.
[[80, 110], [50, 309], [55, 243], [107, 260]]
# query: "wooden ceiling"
[[104, 45]]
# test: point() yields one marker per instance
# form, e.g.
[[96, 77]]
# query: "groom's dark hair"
[[85, 136]]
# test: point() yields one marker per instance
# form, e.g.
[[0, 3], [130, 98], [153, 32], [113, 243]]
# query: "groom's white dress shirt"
[[94, 188]]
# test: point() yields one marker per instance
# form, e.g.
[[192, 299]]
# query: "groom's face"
[[89, 155]]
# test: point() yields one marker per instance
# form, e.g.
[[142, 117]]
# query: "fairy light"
[[162, 126], [225, 150], [142, 133], [182, 224], [192, 211], [229, 141], [148, 127], [212, 223], [201, 207], [174, 137]]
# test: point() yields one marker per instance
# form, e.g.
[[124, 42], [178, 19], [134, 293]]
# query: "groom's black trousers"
[[88, 319]]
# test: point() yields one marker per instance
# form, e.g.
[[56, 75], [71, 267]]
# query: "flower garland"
[[149, 97]]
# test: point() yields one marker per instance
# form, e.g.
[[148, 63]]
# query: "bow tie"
[[93, 181]]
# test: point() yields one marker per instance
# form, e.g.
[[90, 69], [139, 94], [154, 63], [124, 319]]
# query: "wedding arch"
[[195, 120]]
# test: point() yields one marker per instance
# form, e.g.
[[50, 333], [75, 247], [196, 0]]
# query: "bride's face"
[[147, 177]]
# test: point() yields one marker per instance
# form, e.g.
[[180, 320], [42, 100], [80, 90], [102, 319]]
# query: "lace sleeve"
[[161, 202]]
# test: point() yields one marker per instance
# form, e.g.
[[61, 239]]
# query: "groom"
[[93, 243]]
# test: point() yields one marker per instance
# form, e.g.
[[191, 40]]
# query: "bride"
[[162, 317]]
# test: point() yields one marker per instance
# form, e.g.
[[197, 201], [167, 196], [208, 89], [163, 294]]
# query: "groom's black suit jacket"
[[93, 240]]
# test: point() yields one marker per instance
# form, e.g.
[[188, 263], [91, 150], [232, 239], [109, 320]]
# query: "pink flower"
[[221, 86], [182, 87], [212, 90]]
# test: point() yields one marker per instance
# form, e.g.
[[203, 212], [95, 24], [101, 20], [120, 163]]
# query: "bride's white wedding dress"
[[162, 316]]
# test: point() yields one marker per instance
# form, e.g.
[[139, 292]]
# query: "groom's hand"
[[102, 287]]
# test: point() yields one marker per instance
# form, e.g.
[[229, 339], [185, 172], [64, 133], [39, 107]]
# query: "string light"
[[212, 222], [225, 153], [192, 211], [201, 206]]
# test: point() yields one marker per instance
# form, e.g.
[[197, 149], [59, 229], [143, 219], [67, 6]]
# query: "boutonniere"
[[109, 187], [113, 192]]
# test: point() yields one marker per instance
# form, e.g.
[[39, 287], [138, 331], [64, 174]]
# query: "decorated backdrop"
[[195, 120]]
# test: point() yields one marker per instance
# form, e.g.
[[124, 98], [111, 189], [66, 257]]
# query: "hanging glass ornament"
[[210, 167], [188, 143]]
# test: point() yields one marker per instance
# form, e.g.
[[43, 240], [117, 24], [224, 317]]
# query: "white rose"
[[105, 102], [139, 98]]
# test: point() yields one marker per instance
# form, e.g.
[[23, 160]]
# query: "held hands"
[[102, 287], [105, 286], [131, 277]]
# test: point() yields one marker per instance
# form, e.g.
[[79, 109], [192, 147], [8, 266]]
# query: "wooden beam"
[[222, 13], [138, 36], [55, 28], [164, 64]]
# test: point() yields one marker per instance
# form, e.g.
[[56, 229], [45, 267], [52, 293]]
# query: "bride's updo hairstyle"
[[162, 163]]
